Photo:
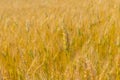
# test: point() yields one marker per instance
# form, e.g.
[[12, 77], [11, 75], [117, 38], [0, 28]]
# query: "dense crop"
[[59, 40]]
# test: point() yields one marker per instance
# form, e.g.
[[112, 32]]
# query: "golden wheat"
[[60, 40]]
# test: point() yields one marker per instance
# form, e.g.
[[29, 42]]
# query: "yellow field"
[[59, 39]]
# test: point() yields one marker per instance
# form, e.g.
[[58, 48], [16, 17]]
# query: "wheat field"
[[59, 39]]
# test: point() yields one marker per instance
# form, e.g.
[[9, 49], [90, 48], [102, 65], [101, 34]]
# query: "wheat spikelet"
[[65, 39]]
